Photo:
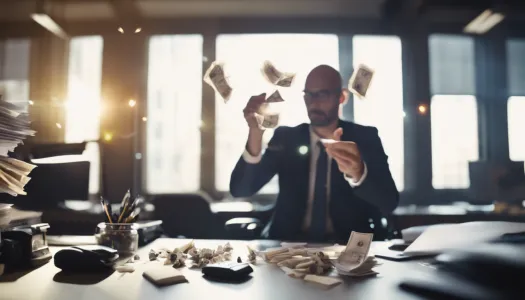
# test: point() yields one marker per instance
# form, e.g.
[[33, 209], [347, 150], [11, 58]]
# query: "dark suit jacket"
[[350, 208]]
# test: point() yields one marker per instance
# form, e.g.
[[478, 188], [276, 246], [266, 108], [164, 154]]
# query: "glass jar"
[[122, 237]]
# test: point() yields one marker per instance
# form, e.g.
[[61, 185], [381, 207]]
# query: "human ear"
[[343, 98]]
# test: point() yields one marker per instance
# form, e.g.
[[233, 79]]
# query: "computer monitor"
[[497, 181], [53, 183]]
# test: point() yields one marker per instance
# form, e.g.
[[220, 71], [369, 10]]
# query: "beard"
[[320, 118]]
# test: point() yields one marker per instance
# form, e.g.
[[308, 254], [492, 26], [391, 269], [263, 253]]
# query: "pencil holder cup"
[[122, 237]]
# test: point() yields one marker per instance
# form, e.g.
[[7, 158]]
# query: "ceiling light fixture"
[[484, 22], [48, 23]]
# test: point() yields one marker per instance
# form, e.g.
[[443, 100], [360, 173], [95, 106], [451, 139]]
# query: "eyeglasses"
[[321, 95]]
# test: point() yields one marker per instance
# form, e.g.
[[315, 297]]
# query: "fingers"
[[346, 146], [345, 157], [339, 157], [255, 103], [338, 133]]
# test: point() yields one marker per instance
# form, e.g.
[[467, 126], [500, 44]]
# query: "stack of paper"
[[355, 261], [14, 128], [442, 237], [5, 214]]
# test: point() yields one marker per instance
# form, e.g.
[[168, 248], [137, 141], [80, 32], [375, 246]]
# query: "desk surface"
[[267, 282]]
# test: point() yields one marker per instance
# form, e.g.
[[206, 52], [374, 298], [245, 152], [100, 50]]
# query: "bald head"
[[323, 77], [323, 95]]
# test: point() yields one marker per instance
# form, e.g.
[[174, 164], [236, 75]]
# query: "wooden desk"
[[267, 282]]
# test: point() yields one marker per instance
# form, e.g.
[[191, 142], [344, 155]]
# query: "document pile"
[[5, 214], [14, 128], [354, 261], [303, 263], [199, 257], [360, 81]]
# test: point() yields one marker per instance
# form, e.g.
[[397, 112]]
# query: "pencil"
[[105, 208]]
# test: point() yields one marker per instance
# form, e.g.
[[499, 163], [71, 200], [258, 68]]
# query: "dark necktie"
[[318, 221]]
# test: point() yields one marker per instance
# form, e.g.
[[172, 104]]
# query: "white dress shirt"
[[314, 147]]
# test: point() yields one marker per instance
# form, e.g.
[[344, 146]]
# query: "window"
[[243, 55], [516, 103], [454, 140], [173, 145], [383, 106], [453, 110], [516, 123], [14, 70], [83, 100]]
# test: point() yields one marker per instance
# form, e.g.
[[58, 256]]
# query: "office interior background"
[[126, 77]]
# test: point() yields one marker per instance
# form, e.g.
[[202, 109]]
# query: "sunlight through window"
[[83, 101], [174, 114], [243, 55], [383, 106]]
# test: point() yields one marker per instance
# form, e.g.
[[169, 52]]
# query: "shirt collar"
[[314, 138]]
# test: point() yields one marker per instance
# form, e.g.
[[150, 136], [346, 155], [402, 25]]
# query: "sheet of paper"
[[438, 238], [355, 259], [162, 275], [292, 273], [360, 81], [216, 78], [276, 77], [275, 97], [323, 280], [328, 141], [412, 233]]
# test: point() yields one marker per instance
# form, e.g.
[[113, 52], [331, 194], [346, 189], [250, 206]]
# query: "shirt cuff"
[[250, 158], [354, 183]]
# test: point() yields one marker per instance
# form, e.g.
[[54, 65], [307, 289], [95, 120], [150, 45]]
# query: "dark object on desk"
[[395, 252], [487, 271], [397, 255], [398, 247], [25, 247], [52, 183], [497, 265], [149, 231], [50, 150], [227, 271], [497, 181], [86, 258], [511, 238]]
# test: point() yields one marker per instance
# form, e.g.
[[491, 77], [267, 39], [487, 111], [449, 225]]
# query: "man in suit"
[[326, 190]]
